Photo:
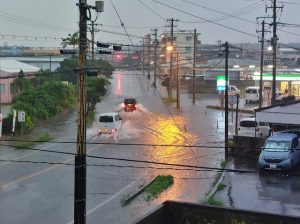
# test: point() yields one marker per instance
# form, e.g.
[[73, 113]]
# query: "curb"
[[214, 189], [230, 109], [139, 191]]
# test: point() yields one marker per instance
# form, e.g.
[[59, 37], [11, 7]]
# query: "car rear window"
[[106, 119], [247, 124], [263, 124], [129, 101], [251, 91]]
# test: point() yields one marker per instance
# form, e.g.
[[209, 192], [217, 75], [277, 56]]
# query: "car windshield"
[[106, 119], [251, 91], [276, 146], [248, 124]]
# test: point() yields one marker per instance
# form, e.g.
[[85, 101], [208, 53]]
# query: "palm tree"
[[71, 39]]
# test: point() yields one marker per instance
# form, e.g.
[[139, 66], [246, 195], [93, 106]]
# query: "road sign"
[[21, 116], [221, 82]]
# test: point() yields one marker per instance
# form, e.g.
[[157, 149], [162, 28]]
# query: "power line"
[[218, 24]]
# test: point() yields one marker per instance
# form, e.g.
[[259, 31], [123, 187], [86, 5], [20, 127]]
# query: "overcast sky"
[[45, 22]]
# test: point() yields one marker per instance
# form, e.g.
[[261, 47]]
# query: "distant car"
[[280, 151], [109, 123], [234, 90], [250, 127], [252, 94], [129, 104]]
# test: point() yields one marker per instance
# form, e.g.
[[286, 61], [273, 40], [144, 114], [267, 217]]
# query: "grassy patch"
[[169, 100], [220, 187], [33, 141], [214, 202], [223, 164], [90, 118], [125, 201], [158, 185]]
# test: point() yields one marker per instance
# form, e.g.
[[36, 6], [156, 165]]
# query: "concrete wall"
[[183, 213], [246, 146]]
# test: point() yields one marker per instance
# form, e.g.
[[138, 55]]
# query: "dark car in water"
[[129, 104]]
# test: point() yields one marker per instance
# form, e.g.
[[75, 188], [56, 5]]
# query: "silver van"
[[252, 94]]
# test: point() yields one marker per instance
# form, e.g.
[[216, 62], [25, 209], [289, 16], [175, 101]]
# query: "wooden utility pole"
[[178, 81], [226, 99], [194, 65], [155, 57], [261, 86], [80, 157]]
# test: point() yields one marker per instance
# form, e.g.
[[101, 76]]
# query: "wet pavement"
[[273, 192]]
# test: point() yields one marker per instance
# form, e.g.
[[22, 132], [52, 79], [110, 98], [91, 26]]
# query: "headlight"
[[286, 157]]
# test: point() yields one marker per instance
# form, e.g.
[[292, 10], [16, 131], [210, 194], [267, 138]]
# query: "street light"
[[170, 48]]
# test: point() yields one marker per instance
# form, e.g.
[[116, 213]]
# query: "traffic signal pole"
[[226, 99], [80, 157]]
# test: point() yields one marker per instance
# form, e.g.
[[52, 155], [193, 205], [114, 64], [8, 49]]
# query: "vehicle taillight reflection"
[[119, 85]]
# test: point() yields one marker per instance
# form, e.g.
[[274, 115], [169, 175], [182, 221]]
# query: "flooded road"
[[151, 138]]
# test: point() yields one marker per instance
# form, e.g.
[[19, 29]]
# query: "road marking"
[[40, 172], [107, 200]]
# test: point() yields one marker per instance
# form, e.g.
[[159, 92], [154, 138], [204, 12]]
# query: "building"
[[183, 44], [286, 79], [9, 71]]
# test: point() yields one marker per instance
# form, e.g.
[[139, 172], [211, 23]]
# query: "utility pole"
[[93, 39], [171, 53], [155, 57], [178, 81], [148, 53], [261, 64], [80, 157], [143, 56], [274, 46], [226, 99], [194, 65]]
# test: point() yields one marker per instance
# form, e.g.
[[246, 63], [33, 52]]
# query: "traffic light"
[[102, 45], [68, 51], [117, 48]]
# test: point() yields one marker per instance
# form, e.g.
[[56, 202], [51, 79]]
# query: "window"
[[188, 38], [188, 48], [106, 119], [277, 146], [248, 124], [2, 88], [252, 91], [263, 124]]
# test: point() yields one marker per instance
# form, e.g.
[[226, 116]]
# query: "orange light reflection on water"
[[165, 131]]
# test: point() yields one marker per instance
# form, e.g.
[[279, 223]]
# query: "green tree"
[[71, 39], [22, 82]]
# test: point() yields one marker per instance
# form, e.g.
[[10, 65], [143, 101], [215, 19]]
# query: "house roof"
[[14, 66], [285, 113]]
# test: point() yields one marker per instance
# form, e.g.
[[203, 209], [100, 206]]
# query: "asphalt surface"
[[41, 188], [274, 192]]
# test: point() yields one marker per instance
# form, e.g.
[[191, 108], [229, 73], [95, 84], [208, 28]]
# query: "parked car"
[[109, 123], [234, 90], [129, 104], [252, 94], [280, 151], [250, 127]]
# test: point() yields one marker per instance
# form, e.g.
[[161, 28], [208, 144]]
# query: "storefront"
[[285, 82]]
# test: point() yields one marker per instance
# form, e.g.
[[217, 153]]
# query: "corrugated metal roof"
[[14, 66]]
